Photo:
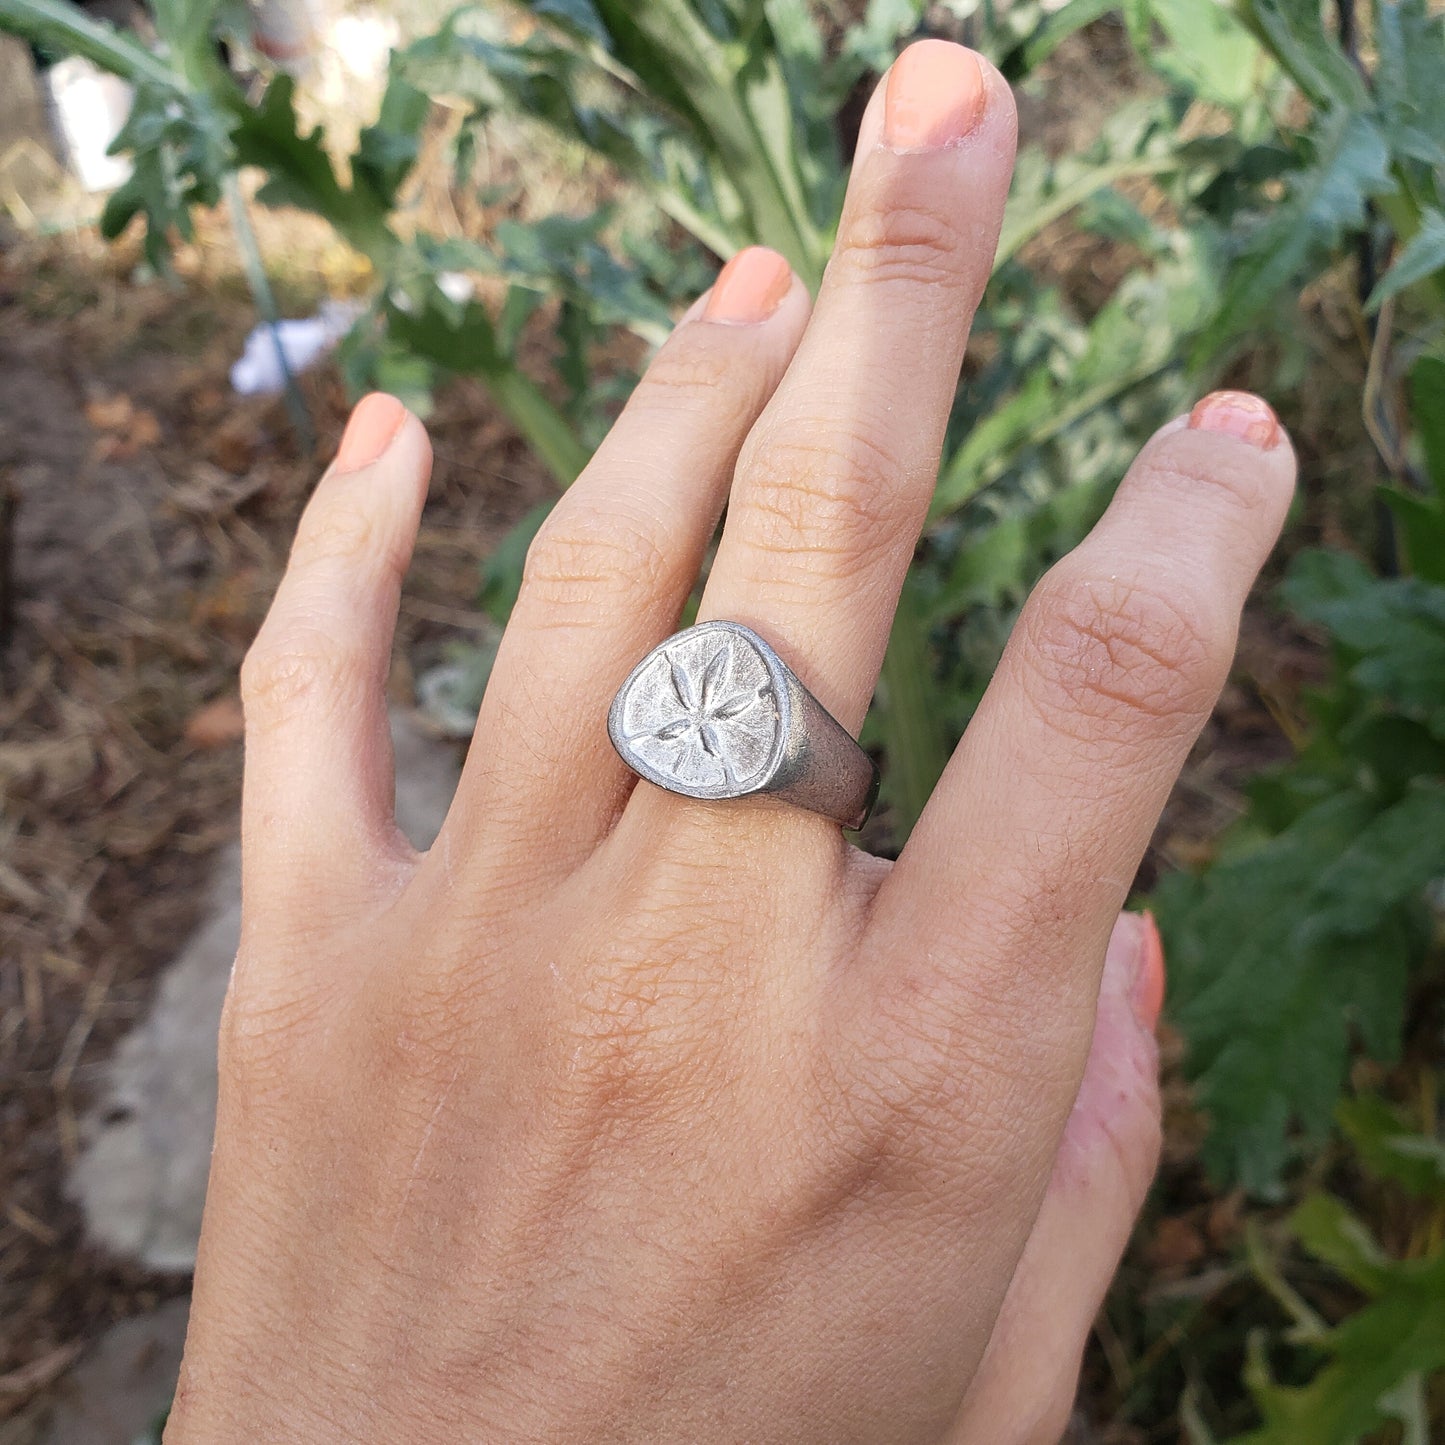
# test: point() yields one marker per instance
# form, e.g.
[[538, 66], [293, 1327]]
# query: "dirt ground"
[[152, 511]]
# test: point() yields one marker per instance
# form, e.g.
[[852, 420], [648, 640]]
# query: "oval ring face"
[[704, 713]]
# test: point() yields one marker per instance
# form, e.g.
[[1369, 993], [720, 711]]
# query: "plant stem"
[[265, 300], [57, 25], [910, 722], [543, 427]]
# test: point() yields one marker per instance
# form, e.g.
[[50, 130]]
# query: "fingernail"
[[1147, 992], [935, 96], [373, 426], [1237, 414], [750, 287], [1134, 966]]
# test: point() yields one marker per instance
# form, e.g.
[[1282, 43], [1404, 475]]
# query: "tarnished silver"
[[714, 712]]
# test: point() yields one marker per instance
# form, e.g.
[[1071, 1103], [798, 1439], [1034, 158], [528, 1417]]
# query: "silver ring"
[[714, 712]]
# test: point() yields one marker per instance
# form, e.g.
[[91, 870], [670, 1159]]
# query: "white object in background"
[[90, 107], [287, 32], [304, 341], [456, 287], [363, 44]]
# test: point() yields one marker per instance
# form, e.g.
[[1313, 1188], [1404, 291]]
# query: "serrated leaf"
[[1267, 999], [1296, 32], [1392, 629], [1326, 199], [388, 149], [1422, 257], [1374, 1356], [1411, 43], [1296, 944]]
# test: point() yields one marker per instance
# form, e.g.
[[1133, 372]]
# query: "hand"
[[619, 1116]]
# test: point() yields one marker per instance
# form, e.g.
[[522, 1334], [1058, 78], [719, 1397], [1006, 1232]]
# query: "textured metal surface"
[[714, 712]]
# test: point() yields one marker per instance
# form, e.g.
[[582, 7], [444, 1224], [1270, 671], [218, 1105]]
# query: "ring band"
[[714, 712]]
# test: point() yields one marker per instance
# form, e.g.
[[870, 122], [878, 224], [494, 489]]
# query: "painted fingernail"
[[1134, 967], [750, 287], [936, 95], [372, 428], [1147, 991], [1237, 414]]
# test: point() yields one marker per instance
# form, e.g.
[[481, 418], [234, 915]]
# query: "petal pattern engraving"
[[701, 712]]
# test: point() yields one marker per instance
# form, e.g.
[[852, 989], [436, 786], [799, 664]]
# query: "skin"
[[619, 1116]]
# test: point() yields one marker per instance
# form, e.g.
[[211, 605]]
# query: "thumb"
[[1023, 1393]]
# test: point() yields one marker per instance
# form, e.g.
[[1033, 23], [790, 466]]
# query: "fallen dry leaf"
[[109, 413], [1175, 1245], [216, 724]]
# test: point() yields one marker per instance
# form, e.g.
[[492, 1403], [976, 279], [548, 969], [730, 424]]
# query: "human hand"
[[620, 1116]]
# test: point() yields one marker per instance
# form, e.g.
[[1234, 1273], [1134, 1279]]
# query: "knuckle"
[[342, 529], [1128, 655], [1182, 466], [915, 244], [586, 552], [683, 371], [283, 676], [839, 493]]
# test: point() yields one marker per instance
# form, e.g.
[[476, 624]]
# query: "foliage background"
[[1264, 163]]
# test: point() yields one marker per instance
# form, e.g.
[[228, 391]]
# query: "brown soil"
[[152, 514]]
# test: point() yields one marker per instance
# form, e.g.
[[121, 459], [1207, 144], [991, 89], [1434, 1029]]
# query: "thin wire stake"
[[265, 301]]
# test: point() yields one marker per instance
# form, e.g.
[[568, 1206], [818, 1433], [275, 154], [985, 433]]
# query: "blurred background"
[[219, 223]]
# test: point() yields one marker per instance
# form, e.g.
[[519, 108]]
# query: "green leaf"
[[1421, 521], [1301, 939], [578, 16], [871, 45], [1295, 31], [1375, 1359], [1422, 258], [180, 153], [1389, 861], [1268, 998], [1391, 630], [387, 150], [1213, 55], [1427, 411], [1411, 43], [1390, 1148], [502, 571], [1053, 29], [299, 171], [60, 28], [1326, 200], [1333, 1233]]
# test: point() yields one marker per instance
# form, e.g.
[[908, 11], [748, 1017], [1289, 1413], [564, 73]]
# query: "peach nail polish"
[[1237, 414], [936, 95], [1147, 993], [750, 287], [373, 426]]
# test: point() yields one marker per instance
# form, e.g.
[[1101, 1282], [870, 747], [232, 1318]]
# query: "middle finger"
[[834, 482]]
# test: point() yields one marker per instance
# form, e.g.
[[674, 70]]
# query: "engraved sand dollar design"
[[703, 714]]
